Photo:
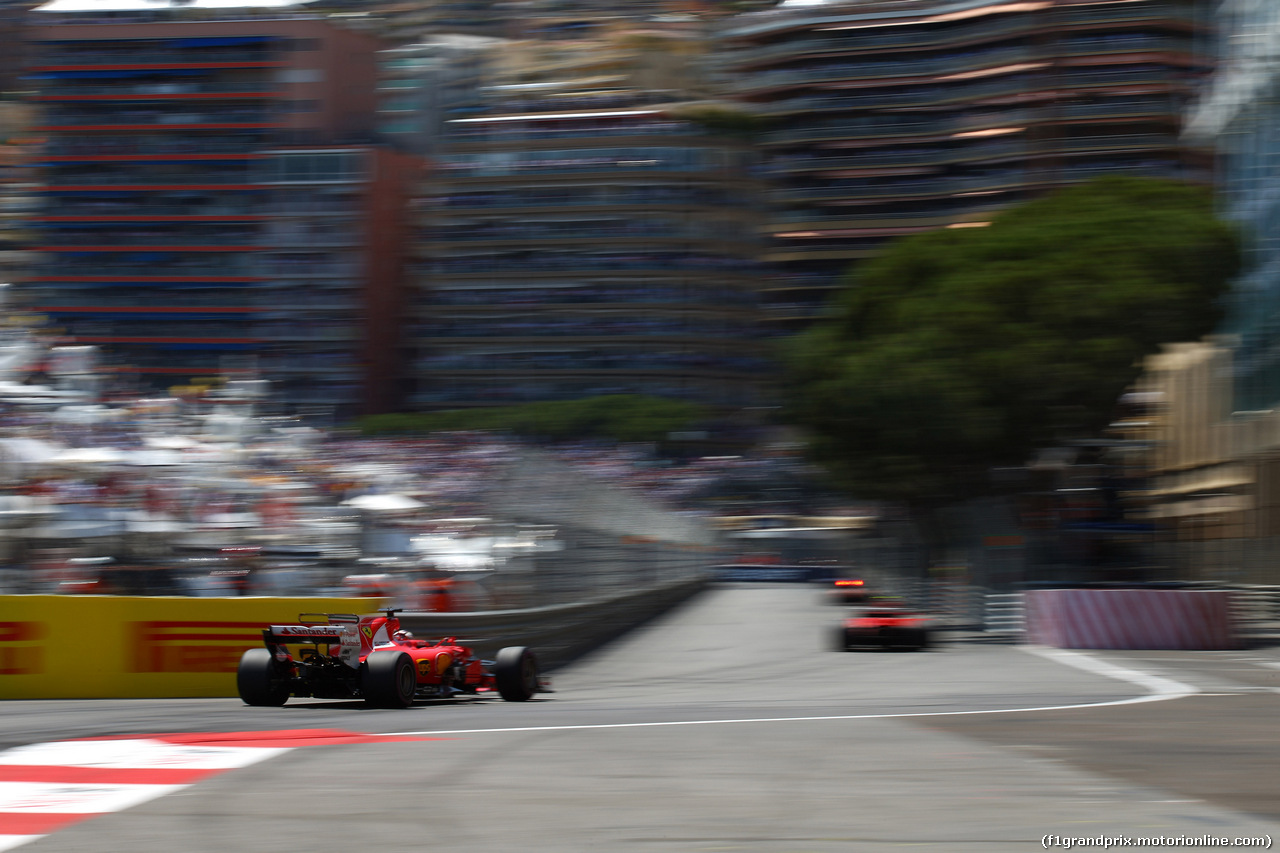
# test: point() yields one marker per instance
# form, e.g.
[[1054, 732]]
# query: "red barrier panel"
[[1130, 619]]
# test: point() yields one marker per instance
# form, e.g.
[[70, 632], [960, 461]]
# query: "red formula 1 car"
[[884, 627], [848, 591], [342, 656]]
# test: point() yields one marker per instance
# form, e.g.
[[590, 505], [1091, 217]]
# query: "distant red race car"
[[848, 591], [344, 656], [885, 628]]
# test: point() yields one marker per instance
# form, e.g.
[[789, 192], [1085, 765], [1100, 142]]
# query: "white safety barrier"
[[1130, 619]]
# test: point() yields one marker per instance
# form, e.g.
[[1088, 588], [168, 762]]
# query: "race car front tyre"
[[515, 673], [389, 679], [259, 679]]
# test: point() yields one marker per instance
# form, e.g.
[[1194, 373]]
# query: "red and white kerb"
[[47, 786]]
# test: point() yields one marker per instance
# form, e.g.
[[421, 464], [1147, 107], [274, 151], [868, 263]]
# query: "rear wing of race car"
[[342, 638]]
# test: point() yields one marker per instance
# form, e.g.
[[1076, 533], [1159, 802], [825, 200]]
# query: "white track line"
[[1161, 689]]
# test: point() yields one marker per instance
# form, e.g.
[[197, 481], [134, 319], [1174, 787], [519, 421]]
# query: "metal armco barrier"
[[1003, 614], [559, 633], [1130, 619], [106, 647], [763, 573]]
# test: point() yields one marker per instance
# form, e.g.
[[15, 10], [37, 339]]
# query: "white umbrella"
[[170, 442], [155, 457], [383, 503], [88, 456]]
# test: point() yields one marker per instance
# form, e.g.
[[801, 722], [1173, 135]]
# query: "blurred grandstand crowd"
[[101, 503]]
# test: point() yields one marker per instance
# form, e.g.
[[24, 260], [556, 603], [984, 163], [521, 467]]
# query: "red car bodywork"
[[885, 627], [370, 657], [848, 591]]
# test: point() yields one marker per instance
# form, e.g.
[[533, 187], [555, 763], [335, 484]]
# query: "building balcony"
[[540, 329], [864, 41], [104, 272], [869, 160], [551, 264], [136, 144], [156, 247], [1090, 144], [1076, 15], [1161, 108], [311, 270], [96, 304], [346, 239], [1152, 75], [222, 342], [331, 372], [315, 301], [443, 238], [859, 130], [1098, 45], [623, 297], [925, 68], [616, 167], [123, 240], [161, 92], [148, 213], [675, 197], [142, 55], [578, 361], [193, 121], [292, 333], [293, 209], [926, 187], [150, 183]]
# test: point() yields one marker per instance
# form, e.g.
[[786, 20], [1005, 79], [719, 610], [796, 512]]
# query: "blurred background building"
[[175, 183], [586, 234], [891, 118], [1239, 119], [213, 202], [423, 84]]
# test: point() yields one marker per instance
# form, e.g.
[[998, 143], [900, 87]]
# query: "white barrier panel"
[[1130, 619]]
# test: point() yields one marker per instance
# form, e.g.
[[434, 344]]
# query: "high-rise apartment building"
[[585, 234], [587, 242], [424, 84], [213, 202], [891, 117]]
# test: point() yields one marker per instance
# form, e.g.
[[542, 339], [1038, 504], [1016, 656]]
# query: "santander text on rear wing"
[[342, 639]]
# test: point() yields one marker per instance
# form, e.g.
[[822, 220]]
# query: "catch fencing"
[[592, 540]]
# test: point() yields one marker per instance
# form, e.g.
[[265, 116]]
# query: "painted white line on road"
[[1160, 687], [895, 716]]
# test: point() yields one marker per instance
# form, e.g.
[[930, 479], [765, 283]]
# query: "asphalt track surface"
[[728, 726]]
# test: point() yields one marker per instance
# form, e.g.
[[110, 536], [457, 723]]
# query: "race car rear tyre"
[[259, 679], [389, 679], [515, 673], [840, 640]]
